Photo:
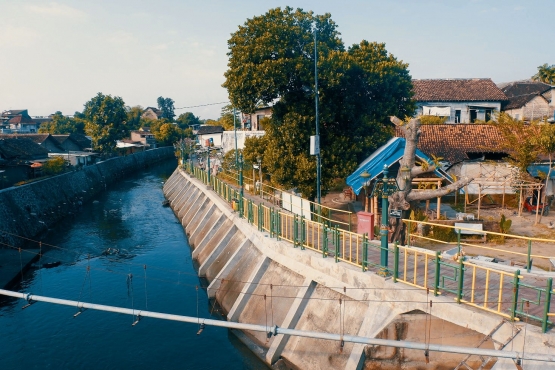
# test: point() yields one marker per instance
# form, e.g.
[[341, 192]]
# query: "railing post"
[[396, 262], [409, 227], [548, 293], [461, 280], [303, 232], [514, 303], [271, 222], [528, 260], [295, 231], [364, 252], [278, 224], [336, 239], [458, 241], [260, 217], [438, 272], [325, 241]]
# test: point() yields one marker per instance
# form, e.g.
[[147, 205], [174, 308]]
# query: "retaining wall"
[[29, 209], [260, 280]]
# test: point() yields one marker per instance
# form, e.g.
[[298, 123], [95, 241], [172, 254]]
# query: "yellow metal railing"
[[489, 289]]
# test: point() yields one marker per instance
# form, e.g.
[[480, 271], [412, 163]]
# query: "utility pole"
[[235, 129], [316, 98]]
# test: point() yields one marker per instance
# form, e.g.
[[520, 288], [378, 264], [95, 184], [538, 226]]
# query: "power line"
[[203, 105], [275, 330]]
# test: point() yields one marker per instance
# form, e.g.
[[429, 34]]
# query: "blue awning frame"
[[388, 154]]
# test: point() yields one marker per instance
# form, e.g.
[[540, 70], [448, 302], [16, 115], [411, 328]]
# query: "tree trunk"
[[401, 199]]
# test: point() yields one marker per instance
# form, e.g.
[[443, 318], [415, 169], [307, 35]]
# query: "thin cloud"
[[17, 36], [122, 37], [57, 10]]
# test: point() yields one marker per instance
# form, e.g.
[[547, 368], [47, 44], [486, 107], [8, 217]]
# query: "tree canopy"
[[546, 74], [187, 119], [61, 124], [271, 62], [105, 118], [167, 108]]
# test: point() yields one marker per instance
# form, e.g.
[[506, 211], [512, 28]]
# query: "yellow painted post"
[[487, 289], [500, 292]]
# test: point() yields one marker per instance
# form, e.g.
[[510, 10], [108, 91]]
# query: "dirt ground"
[[523, 225]]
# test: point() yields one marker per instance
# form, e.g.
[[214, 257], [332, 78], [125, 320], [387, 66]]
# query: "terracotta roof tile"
[[454, 142], [476, 89]]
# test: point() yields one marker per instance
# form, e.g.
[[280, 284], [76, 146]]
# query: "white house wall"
[[217, 139], [464, 107], [228, 139], [489, 177]]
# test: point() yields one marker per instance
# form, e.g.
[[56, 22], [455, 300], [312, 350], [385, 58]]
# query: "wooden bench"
[[475, 229]]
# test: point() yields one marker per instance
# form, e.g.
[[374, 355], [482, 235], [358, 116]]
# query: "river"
[[124, 249]]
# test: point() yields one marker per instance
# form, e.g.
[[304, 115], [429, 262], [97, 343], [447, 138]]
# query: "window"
[[473, 115], [457, 116], [489, 113]]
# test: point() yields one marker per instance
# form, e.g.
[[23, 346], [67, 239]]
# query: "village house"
[[209, 135], [74, 142], [152, 113], [18, 121], [46, 141], [20, 160], [529, 100], [253, 121], [144, 137], [458, 100]]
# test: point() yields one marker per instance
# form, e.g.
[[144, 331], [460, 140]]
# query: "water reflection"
[[126, 233]]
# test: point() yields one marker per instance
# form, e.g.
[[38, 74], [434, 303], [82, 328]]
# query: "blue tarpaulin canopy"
[[536, 168], [388, 154]]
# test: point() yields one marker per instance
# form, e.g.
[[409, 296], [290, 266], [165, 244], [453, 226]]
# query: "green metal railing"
[[499, 292]]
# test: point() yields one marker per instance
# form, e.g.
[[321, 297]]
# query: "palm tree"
[[546, 74]]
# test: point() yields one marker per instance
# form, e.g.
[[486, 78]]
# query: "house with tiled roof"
[[145, 137], [529, 100], [47, 141], [458, 100], [19, 121], [152, 113], [209, 135], [74, 142], [17, 157], [459, 143]]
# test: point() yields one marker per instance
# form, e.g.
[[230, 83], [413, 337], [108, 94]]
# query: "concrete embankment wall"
[[29, 209], [260, 280]]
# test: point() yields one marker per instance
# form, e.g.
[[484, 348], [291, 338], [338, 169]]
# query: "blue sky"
[[57, 55]]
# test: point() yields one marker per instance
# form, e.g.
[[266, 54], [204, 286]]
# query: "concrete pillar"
[[206, 235], [243, 298], [227, 235], [199, 219], [216, 253], [229, 266], [377, 317], [291, 319]]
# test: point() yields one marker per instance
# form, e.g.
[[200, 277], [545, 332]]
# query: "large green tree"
[[167, 108], [105, 118], [271, 61]]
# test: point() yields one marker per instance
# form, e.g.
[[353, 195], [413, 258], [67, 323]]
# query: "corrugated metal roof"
[[387, 155]]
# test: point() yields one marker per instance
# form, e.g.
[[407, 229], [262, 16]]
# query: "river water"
[[103, 253]]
